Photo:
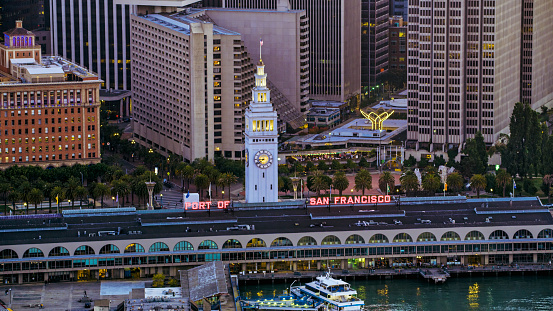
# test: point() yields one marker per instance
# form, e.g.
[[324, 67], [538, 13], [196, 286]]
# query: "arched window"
[[523, 234], [8, 254], [183, 246], [84, 250], [134, 248], [331, 240], [545, 234], [255, 242], [281, 242], [232, 243], [402, 237], [58, 251], [474, 235], [307, 240], [355, 239], [379, 238], [33, 252], [426, 236], [208, 244], [499, 235], [158, 247], [450, 236], [109, 249]]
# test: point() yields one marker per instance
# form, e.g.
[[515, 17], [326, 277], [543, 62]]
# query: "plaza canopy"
[[204, 281]]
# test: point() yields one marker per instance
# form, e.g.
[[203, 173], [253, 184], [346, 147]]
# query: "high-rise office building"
[[334, 43], [399, 8], [31, 12], [285, 35], [49, 106], [191, 81], [374, 40], [96, 34], [397, 42], [467, 61]]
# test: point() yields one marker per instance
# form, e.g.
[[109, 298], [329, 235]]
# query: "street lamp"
[[223, 194], [161, 196]]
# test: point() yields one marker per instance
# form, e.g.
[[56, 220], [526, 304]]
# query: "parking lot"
[[66, 296]]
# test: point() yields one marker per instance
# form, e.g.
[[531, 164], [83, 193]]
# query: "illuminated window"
[[216, 63]]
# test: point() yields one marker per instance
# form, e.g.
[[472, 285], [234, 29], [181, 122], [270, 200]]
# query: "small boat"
[[324, 294]]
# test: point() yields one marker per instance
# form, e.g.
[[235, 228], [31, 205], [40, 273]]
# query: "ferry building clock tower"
[[261, 143]]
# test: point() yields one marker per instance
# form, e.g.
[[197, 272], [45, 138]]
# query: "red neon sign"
[[205, 205], [360, 199]]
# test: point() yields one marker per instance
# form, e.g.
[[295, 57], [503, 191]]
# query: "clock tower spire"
[[261, 142]]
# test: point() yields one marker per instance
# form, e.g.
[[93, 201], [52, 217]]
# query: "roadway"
[[174, 223]]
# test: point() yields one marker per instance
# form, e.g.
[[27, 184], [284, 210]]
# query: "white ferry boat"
[[324, 294], [333, 294]]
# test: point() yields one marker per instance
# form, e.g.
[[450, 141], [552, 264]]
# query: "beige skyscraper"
[[467, 61], [191, 81]]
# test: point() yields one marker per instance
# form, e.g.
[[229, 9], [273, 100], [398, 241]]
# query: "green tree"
[[228, 179], [502, 179], [5, 189], [188, 173], [81, 194], [350, 165], [70, 190], [284, 184], [431, 183], [213, 175], [410, 162], [522, 149], [179, 172], [25, 189], [47, 190], [409, 181], [363, 162], [322, 166], [386, 182], [548, 181], [478, 182], [454, 182], [58, 193], [340, 182], [100, 191], [309, 166], [14, 196], [120, 188], [318, 183], [336, 165], [363, 180], [476, 159], [36, 197], [158, 280], [201, 182]]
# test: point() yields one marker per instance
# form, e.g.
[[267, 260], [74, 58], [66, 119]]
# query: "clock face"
[[263, 159], [247, 158]]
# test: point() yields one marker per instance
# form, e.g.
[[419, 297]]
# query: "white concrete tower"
[[261, 143]]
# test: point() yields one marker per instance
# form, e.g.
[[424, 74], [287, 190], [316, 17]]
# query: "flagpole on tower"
[[260, 45]]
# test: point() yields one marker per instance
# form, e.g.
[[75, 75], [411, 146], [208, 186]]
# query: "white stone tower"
[[261, 143]]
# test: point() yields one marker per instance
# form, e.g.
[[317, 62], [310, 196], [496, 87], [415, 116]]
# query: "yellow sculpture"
[[377, 118]]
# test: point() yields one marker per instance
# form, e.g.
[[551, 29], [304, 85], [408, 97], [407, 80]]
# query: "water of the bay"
[[474, 293]]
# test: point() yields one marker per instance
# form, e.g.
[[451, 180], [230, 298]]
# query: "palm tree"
[[455, 182], [502, 178], [202, 182], [100, 191], [213, 175], [188, 173], [58, 193], [5, 189], [36, 197], [81, 193], [14, 196], [47, 193], [386, 182], [478, 182], [409, 181], [228, 180], [70, 187], [179, 172], [363, 180], [318, 182], [340, 182], [431, 183], [120, 187], [24, 189]]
